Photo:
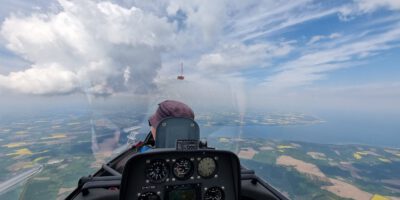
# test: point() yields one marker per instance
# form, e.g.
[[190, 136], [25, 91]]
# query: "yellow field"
[[55, 136], [357, 156], [39, 159], [285, 147], [13, 145], [364, 153], [21, 152], [379, 197]]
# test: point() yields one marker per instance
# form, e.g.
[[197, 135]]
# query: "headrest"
[[170, 130]]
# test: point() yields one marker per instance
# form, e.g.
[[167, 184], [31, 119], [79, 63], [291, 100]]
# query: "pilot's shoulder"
[[144, 148]]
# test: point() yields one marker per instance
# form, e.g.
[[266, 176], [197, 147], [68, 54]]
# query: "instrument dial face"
[[149, 196], [207, 167], [183, 168], [214, 193], [157, 171]]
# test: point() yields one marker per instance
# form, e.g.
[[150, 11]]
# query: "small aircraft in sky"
[[181, 77]]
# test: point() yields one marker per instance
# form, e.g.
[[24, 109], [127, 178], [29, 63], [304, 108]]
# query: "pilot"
[[168, 108]]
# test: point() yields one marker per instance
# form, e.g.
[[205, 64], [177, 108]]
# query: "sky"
[[289, 54]]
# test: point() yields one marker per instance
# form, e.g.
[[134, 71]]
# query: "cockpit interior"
[[179, 167]]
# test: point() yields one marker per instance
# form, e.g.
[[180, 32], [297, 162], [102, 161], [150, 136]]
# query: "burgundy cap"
[[170, 108]]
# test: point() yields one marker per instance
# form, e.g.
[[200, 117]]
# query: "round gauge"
[[157, 171], [183, 168], [214, 193], [207, 167], [149, 196]]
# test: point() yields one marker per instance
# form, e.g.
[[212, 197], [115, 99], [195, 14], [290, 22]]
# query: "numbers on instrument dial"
[[182, 169], [207, 167], [214, 193], [157, 171]]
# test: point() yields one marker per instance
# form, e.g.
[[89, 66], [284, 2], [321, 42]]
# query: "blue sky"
[[255, 53]]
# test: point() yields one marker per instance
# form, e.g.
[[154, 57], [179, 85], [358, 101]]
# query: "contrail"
[[20, 178]]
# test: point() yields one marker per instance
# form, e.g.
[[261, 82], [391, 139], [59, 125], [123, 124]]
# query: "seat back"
[[172, 129]]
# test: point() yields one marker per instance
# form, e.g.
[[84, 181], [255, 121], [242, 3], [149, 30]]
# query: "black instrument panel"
[[181, 175], [183, 168], [157, 171]]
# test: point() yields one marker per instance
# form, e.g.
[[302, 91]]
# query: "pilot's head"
[[169, 108]]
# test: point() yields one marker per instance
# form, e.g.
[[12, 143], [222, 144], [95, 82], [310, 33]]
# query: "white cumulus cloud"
[[45, 80], [91, 43]]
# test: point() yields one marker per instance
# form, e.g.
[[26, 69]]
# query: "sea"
[[381, 130]]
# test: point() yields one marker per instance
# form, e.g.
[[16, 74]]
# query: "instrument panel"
[[181, 175], [158, 171], [207, 167], [183, 168]]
